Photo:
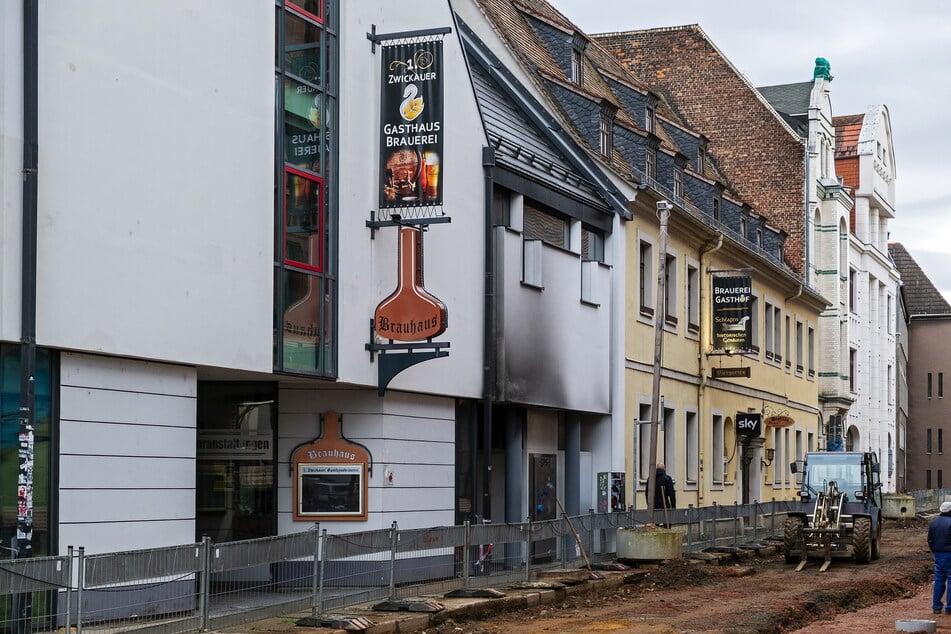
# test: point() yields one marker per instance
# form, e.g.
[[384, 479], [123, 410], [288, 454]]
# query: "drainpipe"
[[702, 357], [488, 332], [23, 607], [796, 296], [28, 282]]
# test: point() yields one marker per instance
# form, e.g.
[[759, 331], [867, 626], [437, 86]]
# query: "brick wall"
[[760, 156]]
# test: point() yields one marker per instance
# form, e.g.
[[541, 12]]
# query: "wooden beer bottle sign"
[[410, 313]]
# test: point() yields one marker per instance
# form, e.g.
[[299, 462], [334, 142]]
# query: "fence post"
[[323, 567], [564, 540], [736, 523], [69, 586], [592, 519], [689, 528], [315, 569], [205, 583], [393, 539], [466, 555], [528, 549], [80, 573], [772, 518]]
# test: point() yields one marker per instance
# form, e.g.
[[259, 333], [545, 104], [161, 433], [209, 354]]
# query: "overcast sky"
[[881, 52]]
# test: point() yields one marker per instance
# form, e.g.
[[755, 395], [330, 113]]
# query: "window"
[[606, 133], [692, 431], [592, 244], [577, 65], [670, 441], [305, 143], [650, 118], [929, 385], [928, 479], [693, 299], [853, 360], [678, 183], [928, 443], [940, 440], [853, 291], [718, 456], [646, 274], [812, 351], [539, 223], [774, 335], [754, 324], [799, 343], [743, 227], [700, 153], [788, 341], [501, 207], [670, 290], [940, 479], [940, 384], [759, 237], [777, 457], [650, 165], [716, 209]]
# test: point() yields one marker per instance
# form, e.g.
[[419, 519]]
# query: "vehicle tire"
[[862, 540], [792, 530], [876, 543]]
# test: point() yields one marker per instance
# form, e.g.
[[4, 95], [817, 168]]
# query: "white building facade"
[[211, 248]]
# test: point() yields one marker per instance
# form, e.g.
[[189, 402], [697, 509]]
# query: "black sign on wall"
[[732, 313], [749, 423], [411, 125]]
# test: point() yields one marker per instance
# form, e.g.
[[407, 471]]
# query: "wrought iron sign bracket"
[[398, 221], [406, 355], [375, 37]]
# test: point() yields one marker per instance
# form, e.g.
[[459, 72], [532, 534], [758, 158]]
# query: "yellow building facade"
[[702, 390]]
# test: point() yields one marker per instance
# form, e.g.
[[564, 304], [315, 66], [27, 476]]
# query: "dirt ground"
[[750, 595]]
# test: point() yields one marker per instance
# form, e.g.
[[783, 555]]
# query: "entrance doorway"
[[235, 488]]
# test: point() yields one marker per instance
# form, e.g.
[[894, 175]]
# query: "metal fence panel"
[[138, 565]]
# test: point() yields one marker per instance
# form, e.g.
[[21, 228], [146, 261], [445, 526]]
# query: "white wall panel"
[[126, 505], [157, 129], [106, 405], [86, 472], [136, 471], [106, 538]]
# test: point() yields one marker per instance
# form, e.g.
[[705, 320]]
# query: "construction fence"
[[206, 585]]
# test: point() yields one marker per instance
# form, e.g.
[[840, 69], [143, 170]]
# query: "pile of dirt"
[[746, 595]]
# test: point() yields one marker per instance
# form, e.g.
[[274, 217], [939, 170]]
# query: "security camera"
[[663, 205]]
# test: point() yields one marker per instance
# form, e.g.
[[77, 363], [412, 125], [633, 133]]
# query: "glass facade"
[[9, 449], [305, 203]]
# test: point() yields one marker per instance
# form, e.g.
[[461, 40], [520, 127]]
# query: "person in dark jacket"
[[939, 543], [664, 495]]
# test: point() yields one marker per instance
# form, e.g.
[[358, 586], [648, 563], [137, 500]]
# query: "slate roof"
[[758, 149], [921, 296], [509, 17], [791, 99], [520, 147]]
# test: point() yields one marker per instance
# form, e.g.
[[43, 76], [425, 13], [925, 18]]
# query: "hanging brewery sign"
[[411, 125], [410, 313], [732, 313]]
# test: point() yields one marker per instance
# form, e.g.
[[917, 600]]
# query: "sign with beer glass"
[[732, 313], [411, 125]]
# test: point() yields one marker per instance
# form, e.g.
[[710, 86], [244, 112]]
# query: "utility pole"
[[660, 312]]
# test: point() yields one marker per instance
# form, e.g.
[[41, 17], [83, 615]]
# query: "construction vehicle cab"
[[842, 495]]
